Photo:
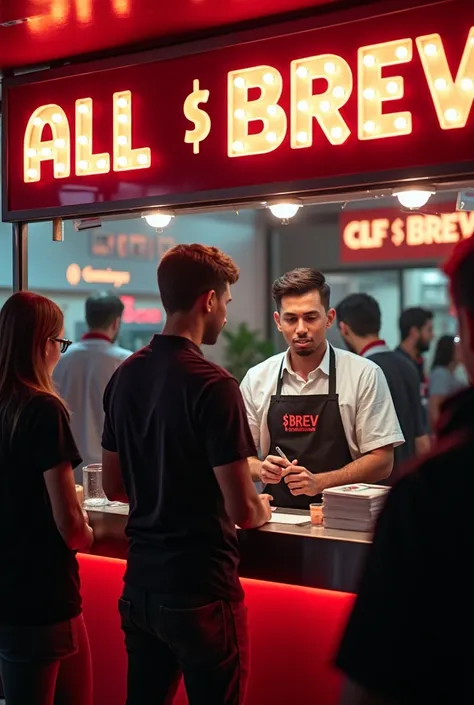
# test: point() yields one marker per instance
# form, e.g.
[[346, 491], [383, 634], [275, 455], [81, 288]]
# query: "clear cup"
[[94, 495], [316, 513]]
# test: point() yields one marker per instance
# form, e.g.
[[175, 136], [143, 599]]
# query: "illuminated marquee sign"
[[389, 235], [387, 94]]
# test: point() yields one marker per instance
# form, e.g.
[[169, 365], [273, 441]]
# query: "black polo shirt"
[[404, 387], [419, 366], [172, 416], [409, 638]]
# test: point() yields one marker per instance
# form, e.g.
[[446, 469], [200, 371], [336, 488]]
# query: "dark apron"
[[307, 428]]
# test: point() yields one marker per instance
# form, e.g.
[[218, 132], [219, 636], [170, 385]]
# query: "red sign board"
[[356, 103], [391, 235]]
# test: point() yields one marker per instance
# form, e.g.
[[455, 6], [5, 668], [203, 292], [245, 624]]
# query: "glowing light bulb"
[[325, 106], [392, 87], [158, 220], [238, 146], [82, 139], [122, 102], [143, 159], [122, 161], [240, 114], [57, 117], [401, 123], [60, 168], [369, 60], [339, 92], [83, 164], [302, 72], [31, 152], [268, 78], [370, 126], [336, 133], [271, 137], [369, 94], [467, 84], [83, 108], [284, 210], [32, 173], [303, 106], [37, 121], [102, 163], [451, 115], [123, 119], [46, 152], [431, 49], [401, 53], [330, 67], [413, 198], [440, 84], [239, 82], [302, 136], [122, 140], [272, 110], [60, 143]]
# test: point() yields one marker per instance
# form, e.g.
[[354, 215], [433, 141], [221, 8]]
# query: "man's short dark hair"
[[103, 309], [299, 282], [362, 313], [415, 317], [186, 272], [460, 270]]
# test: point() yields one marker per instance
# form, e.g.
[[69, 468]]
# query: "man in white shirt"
[[83, 373], [329, 411]]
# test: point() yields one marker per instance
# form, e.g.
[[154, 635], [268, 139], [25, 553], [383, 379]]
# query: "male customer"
[[360, 320], [176, 446], [83, 373], [409, 638], [330, 412], [416, 334]]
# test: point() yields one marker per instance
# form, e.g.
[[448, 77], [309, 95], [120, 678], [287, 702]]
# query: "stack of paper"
[[353, 507]]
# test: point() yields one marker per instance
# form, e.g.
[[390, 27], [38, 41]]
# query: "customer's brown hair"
[[299, 282], [460, 270], [186, 272], [27, 322]]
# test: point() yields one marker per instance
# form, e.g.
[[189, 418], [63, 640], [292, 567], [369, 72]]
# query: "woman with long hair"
[[443, 381], [44, 649]]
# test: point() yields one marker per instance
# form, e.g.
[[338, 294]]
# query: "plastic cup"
[[94, 495]]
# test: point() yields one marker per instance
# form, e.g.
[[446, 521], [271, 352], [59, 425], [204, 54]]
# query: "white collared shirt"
[[367, 411]]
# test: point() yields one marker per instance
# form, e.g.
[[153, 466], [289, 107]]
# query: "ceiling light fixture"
[[158, 219], [414, 197], [284, 210]]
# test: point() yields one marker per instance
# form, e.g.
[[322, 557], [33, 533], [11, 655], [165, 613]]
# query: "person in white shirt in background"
[[328, 410], [85, 370]]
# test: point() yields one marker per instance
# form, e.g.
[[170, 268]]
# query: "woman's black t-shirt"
[[39, 575]]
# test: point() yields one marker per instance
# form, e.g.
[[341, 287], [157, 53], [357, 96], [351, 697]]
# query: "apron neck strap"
[[332, 374]]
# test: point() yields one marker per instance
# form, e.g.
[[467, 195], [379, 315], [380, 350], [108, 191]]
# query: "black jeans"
[[46, 665], [207, 644]]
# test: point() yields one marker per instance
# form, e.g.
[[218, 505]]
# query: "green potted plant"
[[244, 348]]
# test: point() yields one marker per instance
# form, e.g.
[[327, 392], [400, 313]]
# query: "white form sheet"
[[294, 519]]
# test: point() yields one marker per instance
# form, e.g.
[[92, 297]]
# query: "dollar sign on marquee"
[[195, 114], [285, 420]]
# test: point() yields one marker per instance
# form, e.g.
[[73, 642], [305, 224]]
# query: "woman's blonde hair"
[[27, 322]]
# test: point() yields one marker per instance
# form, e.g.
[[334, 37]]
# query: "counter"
[[305, 555], [298, 582]]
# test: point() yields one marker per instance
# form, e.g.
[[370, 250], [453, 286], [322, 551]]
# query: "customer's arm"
[[56, 455], [229, 443], [112, 479], [67, 511]]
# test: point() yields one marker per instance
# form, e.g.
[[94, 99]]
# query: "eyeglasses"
[[63, 342]]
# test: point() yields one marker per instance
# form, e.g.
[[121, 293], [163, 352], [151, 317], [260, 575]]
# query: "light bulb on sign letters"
[[83, 109], [330, 67], [123, 119], [325, 106], [369, 93], [239, 82], [60, 143], [431, 49], [302, 137], [413, 198], [400, 123], [451, 115], [284, 211], [467, 84], [392, 87], [158, 220], [268, 78], [440, 84], [82, 139], [57, 118], [240, 114], [302, 72], [101, 163], [271, 137], [339, 92], [122, 140], [303, 106], [272, 110], [122, 102], [369, 60], [401, 53]]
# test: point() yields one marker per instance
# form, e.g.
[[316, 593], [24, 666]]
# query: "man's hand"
[[301, 481], [266, 499], [272, 469]]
